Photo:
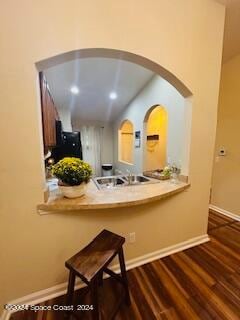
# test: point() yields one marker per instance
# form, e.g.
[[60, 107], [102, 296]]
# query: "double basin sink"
[[122, 181]]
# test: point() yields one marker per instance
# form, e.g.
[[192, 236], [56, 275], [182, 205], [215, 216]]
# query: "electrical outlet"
[[132, 237]]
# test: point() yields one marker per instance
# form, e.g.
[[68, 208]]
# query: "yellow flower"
[[72, 171]]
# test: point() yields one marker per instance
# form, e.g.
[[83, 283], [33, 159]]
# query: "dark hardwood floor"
[[199, 283]]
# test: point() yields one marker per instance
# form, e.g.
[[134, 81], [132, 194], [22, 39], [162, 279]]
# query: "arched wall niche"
[[116, 54], [126, 138], [155, 138]]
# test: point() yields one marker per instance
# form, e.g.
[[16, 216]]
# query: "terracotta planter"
[[73, 191]]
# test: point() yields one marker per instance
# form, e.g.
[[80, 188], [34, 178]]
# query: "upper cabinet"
[[49, 114]]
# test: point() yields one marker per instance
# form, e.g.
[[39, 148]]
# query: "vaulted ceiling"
[[96, 79]]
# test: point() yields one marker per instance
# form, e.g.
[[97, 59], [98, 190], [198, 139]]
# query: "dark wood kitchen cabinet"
[[49, 114]]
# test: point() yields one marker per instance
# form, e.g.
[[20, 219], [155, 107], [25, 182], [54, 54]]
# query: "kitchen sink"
[[109, 182], [122, 181], [136, 179]]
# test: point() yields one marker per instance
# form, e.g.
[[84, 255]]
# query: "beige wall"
[[226, 173], [183, 36]]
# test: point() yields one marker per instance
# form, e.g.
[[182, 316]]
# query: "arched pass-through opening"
[[137, 153], [155, 133], [116, 54]]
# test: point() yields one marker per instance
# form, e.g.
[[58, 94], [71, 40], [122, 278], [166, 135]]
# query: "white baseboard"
[[136, 262], [59, 290], [225, 212]]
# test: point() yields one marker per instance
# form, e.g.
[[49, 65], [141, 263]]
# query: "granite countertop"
[[112, 197]]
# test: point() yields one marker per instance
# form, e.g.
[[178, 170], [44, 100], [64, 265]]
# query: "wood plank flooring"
[[199, 283]]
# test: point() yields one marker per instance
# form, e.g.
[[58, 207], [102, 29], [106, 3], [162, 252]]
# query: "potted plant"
[[73, 175]]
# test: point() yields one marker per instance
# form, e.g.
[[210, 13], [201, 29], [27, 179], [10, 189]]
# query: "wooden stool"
[[89, 265]]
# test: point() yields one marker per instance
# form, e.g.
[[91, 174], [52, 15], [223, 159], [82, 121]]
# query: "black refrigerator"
[[69, 145]]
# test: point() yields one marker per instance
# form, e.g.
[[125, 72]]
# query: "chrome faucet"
[[129, 176]]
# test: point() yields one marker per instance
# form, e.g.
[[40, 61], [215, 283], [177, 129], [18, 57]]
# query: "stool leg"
[[101, 279], [124, 276], [94, 298], [70, 291]]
